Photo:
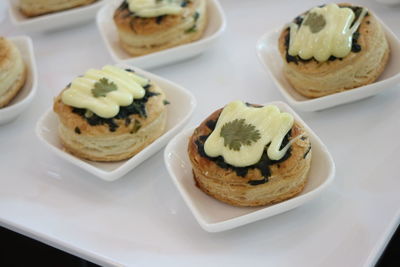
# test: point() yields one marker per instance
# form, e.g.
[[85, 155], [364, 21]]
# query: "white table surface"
[[141, 219]]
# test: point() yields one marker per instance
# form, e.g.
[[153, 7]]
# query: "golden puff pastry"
[[361, 66], [12, 71], [89, 136], [266, 182], [141, 35], [32, 8]]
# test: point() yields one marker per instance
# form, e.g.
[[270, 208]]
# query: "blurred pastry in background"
[[33, 8], [147, 26], [12, 71]]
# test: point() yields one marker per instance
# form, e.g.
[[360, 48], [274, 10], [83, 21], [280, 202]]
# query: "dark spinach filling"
[[194, 27], [138, 106], [124, 5], [263, 165], [308, 151], [355, 47], [159, 19], [184, 3]]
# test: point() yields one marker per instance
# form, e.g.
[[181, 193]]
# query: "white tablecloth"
[[142, 220]]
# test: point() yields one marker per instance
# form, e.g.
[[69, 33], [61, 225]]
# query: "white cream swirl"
[[155, 8], [129, 86], [271, 124], [332, 38]]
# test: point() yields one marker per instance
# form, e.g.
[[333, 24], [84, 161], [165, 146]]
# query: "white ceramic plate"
[[215, 216], [107, 28], [182, 104], [53, 21], [25, 96], [270, 58]]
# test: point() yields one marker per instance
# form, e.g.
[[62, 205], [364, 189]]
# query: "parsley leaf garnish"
[[191, 29], [315, 21], [102, 87], [237, 133]]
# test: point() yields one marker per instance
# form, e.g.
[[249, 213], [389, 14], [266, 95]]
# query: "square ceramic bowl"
[[216, 216], [27, 93], [52, 21], [108, 30], [182, 104], [270, 58]]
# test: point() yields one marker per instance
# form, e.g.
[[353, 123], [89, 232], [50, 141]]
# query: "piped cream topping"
[[258, 127], [155, 8], [128, 86], [325, 31]]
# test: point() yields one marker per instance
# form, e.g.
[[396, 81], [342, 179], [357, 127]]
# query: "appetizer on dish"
[[147, 26], [12, 71], [333, 48], [250, 155], [110, 114], [33, 8]]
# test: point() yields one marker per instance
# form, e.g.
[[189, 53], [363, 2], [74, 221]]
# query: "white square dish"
[[107, 28], [178, 113], [215, 216], [27, 93], [270, 58], [52, 21]]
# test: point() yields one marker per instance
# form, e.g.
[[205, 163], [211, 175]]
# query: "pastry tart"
[[247, 155], [12, 71], [147, 26], [333, 48], [32, 8], [110, 114]]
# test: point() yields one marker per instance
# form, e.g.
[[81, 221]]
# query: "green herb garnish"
[[136, 127], [103, 87], [140, 111], [196, 16], [166, 102], [237, 133], [192, 29], [88, 113], [315, 21]]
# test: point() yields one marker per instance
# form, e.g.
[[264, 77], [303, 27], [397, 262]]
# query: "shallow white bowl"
[[268, 54], [182, 104], [108, 30], [52, 21], [27, 93], [215, 216]]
